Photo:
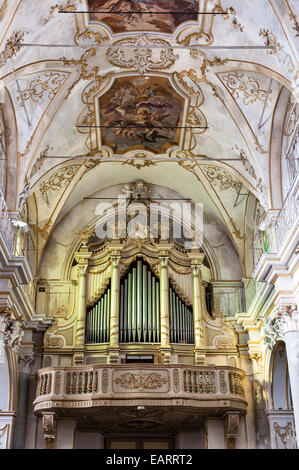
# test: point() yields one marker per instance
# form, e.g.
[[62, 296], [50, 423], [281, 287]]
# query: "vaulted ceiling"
[[215, 86]]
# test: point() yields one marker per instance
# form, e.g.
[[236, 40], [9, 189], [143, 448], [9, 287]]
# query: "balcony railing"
[[6, 227], [88, 386], [288, 217]]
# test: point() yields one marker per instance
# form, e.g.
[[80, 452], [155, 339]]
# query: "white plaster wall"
[[215, 434], [65, 434], [4, 385]]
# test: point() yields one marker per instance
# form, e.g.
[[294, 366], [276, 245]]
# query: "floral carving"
[[217, 175], [61, 177], [277, 49], [12, 46], [286, 435], [141, 381], [235, 382], [12, 330], [42, 87], [137, 54], [69, 6], [236, 24], [296, 23], [239, 83]]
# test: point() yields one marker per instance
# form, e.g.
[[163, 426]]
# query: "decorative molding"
[[60, 178], [283, 319], [42, 87], [294, 18], [246, 85], [85, 235], [139, 54], [69, 6], [236, 24], [217, 175], [12, 46], [136, 191], [12, 329], [141, 381], [285, 434], [282, 56]]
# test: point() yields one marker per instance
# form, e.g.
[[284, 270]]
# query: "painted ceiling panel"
[[143, 71], [156, 18]]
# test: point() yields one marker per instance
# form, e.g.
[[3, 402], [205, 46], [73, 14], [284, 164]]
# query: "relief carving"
[[137, 54], [141, 381]]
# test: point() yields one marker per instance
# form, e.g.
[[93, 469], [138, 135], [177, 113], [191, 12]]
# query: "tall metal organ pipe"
[[139, 311]]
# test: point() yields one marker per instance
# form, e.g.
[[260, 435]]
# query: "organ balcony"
[[203, 389]]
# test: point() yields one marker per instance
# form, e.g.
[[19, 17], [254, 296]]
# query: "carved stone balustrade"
[[205, 388]]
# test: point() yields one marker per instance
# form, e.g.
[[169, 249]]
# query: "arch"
[[279, 384]]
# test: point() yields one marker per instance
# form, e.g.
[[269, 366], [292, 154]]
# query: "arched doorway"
[[280, 413]]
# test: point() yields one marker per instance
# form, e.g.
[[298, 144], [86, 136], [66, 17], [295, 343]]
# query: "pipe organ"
[[139, 318], [139, 309], [98, 319], [181, 320]]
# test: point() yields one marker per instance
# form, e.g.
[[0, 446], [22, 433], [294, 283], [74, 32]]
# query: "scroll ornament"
[[281, 320], [11, 329], [141, 381]]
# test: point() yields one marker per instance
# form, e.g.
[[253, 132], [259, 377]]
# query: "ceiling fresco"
[[142, 76], [155, 17], [141, 113]]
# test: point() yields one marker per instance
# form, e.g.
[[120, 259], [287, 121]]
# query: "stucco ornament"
[[11, 330], [282, 319]]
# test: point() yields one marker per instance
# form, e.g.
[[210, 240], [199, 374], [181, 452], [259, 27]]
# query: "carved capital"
[[85, 235], [115, 260], [196, 258], [164, 261], [196, 269], [49, 429], [82, 269], [285, 318]]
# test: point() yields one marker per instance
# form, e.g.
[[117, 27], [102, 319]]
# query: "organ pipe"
[[139, 310]]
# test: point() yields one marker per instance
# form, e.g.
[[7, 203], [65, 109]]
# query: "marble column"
[[165, 348], [114, 312], [115, 254], [199, 351], [164, 309], [82, 258]]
